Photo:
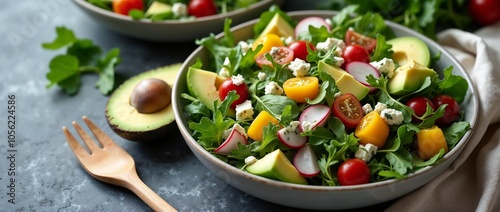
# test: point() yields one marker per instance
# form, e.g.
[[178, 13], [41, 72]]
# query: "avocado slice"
[[278, 26], [410, 48], [127, 122], [409, 78], [158, 8], [276, 165], [204, 85], [344, 81]]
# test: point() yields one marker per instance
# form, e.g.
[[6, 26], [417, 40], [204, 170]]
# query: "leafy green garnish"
[[82, 56]]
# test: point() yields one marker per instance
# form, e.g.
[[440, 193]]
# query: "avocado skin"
[[155, 135]]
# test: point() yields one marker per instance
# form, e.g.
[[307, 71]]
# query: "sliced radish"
[[290, 136], [314, 21], [231, 142], [360, 70], [306, 162], [316, 115]]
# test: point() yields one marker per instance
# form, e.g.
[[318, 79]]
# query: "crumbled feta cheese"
[[392, 116], [238, 79], [250, 160], [244, 110], [329, 44], [289, 40], [226, 133], [179, 9], [273, 88], [339, 61], [380, 106], [274, 50], [262, 76], [337, 95], [365, 152], [299, 67], [307, 126], [385, 66], [293, 125], [224, 72], [244, 46], [240, 129], [367, 108]]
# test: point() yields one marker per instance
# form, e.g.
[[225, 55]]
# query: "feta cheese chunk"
[[299, 67], [244, 110], [385, 66], [250, 160], [392, 116], [337, 95], [292, 126], [289, 40], [224, 71], [307, 126], [380, 106], [339, 61], [365, 152], [179, 9], [329, 44], [262, 76], [367, 108], [238, 79], [236, 127], [244, 46], [273, 88]]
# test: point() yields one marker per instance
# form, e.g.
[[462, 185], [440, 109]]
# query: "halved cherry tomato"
[[281, 55], [484, 12], [372, 129], [124, 6], [348, 109], [268, 41], [451, 112], [419, 106], [300, 88], [241, 90], [300, 49], [353, 172], [355, 53], [201, 8], [352, 38]]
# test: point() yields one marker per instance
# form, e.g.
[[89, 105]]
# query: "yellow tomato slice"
[[300, 88], [269, 41], [256, 129], [372, 129], [430, 141]]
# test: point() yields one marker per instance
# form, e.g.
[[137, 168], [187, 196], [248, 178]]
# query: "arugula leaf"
[[455, 132], [269, 140], [275, 104], [400, 160], [382, 49], [431, 161], [453, 85], [196, 109], [82, 56]]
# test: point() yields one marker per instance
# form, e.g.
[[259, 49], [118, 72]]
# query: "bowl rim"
[[452, 153], [87, 5]]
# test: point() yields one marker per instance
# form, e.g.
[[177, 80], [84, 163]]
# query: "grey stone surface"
[[47, 175]]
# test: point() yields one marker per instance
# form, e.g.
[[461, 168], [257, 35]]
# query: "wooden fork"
[[111, 164]]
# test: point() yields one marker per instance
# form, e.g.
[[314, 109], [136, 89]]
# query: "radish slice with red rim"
[[290, 136], [315, 115], [360, 70], [231, 142], [306, 161], [303, 25]]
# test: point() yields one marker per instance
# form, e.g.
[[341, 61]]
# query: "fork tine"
[[79, 151], [86, 138], [98, 133]]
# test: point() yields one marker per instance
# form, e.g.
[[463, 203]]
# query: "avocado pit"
[[151, 95]]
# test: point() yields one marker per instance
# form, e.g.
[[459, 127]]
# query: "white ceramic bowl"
[[173, 30], [323, 197]]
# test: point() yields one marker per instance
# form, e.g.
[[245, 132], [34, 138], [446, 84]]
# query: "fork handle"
[[136, 185]]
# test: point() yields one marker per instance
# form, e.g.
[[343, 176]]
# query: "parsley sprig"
[[82, 56]]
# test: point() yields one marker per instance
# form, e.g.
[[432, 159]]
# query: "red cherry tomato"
[[484, 12], [355, 53], [300, 49], [124, 6], [281, 55], [201, 8], [353, 172], [352, 38], [241, 90], [419, 105], [348, 109], [451, 112]]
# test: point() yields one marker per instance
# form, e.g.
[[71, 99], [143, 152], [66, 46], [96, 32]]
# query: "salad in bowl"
[[332, 105]]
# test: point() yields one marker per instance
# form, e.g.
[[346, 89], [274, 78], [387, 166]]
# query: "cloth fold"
[[472, 181]]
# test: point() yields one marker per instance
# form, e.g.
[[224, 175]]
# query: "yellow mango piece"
[[256, 129], [430, 141], [372, 129]]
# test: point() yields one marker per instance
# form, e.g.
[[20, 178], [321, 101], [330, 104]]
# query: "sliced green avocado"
[[276, 165], [344, 81], [204, 85], [409, 48], [127, 122], [408, 78], [278, 26], [157, 8]]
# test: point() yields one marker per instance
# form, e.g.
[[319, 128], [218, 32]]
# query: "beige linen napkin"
[[472, 182]]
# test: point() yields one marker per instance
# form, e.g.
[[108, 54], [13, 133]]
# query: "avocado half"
[[127, 122]]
